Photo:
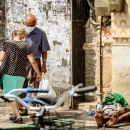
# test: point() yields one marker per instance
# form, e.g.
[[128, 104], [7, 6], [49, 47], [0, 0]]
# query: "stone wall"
[[53, 16], [92, 60], [2, 21]]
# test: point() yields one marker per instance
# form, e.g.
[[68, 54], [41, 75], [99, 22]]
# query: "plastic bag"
[[0, 63], [46, 84], [87, 108]]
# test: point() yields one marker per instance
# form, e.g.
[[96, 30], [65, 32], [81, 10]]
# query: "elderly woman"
[[13, 55]]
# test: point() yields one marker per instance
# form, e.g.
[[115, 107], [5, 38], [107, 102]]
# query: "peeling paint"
[[64, 62], [67, 50], [57, 43]]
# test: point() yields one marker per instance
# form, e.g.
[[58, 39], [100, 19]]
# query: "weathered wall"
[[53, 16], [2, 21], [120, 31], [92, 66], [116, 55]]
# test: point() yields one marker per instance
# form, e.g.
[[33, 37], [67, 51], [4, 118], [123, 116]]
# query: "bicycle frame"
[[33, 126], [42, 108]]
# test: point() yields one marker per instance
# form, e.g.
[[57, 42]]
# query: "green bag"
[[114, 98]]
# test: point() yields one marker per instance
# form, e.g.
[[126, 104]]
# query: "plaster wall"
[[54, 17], [2, 21], [121, 70], [120, 30]]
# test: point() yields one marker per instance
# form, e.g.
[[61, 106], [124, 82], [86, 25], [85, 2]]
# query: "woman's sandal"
[[12, 118], [19, 120]]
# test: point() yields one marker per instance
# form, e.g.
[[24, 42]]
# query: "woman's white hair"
[[20, 30]]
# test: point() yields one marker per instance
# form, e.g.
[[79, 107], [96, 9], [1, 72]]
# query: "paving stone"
[[82, 122]]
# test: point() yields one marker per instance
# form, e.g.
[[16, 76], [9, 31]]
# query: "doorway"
[[80, 15]]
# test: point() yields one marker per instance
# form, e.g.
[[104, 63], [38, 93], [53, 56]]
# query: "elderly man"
[[120, 116], [39, 45]]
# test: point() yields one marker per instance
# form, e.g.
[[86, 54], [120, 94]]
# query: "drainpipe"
[[97, 24], [101, 59]]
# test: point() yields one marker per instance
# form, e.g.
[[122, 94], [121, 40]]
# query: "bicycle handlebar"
[[85, 89], [24, 90], [39, 90], [58, 104]]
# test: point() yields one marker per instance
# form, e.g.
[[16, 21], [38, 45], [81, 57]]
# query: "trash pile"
[[87, 109], [112, 103]]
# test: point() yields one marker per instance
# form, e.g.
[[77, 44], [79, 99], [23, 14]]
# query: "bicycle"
[[53, 123]]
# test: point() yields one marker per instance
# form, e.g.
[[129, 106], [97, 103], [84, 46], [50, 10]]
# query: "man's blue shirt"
[[38, 42]]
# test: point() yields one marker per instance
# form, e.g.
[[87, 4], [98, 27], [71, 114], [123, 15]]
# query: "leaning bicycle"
[[39, 120]]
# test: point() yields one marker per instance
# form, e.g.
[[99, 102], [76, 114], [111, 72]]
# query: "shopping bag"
[[46, 84]]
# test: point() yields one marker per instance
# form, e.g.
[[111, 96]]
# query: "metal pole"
[[101, 59]]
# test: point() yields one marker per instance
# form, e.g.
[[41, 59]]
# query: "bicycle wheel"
[[59, 121]]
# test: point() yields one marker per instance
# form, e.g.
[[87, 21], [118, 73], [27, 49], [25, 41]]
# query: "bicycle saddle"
[[49, 99]]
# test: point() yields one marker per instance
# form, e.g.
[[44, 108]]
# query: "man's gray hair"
[[24, 19]]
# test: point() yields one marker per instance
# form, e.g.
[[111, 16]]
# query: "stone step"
[[80, 106]]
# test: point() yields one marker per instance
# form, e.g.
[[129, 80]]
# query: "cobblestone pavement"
[[4, 118], [82, 122]]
